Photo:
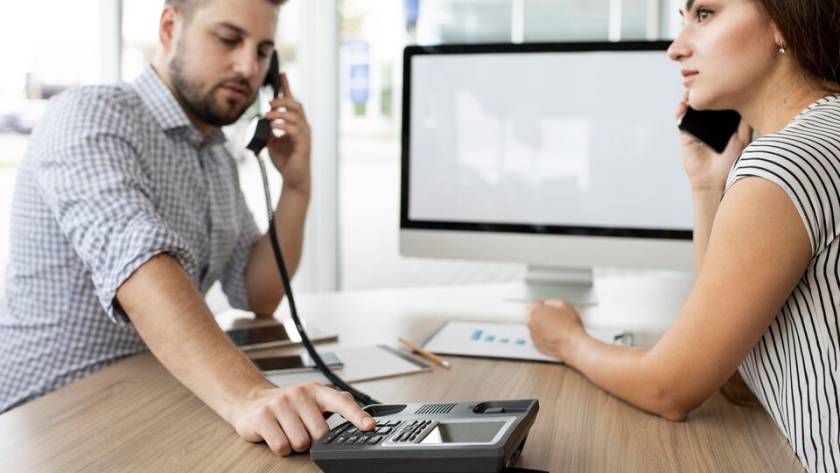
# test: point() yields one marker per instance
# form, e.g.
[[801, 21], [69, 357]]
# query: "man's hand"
[[554, 326], [290, 152], [172, 318], [291, 419]]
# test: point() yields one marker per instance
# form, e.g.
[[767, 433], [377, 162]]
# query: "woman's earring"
[[782, 49]]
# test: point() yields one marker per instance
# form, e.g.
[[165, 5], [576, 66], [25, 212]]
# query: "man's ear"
[[168, 23]]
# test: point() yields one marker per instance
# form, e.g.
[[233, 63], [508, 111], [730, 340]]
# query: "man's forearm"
[[265, 289], [174, 321], [705, 203]]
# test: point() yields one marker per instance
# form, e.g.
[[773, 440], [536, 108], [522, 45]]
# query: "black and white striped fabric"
[[793, 369]]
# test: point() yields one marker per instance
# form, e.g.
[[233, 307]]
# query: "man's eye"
[[228, 41], [263, 54]]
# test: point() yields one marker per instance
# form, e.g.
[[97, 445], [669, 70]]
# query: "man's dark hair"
[[189, 7], [811, 32]]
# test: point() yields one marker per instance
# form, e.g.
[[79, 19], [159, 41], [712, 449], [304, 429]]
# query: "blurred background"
[[344, 60]]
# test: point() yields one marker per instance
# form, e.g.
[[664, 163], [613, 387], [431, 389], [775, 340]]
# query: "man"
[[127, 209]]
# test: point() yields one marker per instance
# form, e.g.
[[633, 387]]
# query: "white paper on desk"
[[496, 340], [360, 364]]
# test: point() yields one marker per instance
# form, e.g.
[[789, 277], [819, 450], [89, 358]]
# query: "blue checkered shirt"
[[113, 176]]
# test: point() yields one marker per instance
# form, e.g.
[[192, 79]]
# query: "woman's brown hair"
[[811, 30], [736, 391]]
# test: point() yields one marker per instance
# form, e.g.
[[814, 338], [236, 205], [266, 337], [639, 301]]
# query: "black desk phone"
[[463, 437]]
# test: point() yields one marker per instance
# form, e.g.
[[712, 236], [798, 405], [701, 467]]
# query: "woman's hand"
[[706, 169], [554, 327]]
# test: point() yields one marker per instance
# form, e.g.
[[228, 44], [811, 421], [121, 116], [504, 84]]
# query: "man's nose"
[[246, 63]]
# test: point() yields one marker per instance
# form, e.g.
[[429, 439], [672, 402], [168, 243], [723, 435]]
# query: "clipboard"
[[362, 363], [502, 341]]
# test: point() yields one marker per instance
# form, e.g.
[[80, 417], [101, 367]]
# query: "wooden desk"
[[133, 416]]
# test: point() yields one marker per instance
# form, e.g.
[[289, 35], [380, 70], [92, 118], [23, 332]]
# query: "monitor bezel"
[[506, 48]]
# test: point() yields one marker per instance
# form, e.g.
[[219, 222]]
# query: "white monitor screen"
[[561, 140]]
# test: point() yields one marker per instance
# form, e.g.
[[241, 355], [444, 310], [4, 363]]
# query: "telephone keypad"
[[347, 434], [413, 432]]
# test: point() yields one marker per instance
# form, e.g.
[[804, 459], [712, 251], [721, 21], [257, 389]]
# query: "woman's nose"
[[679, 50]]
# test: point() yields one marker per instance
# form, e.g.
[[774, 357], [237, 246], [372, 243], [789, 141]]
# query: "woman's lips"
[[688, 75]]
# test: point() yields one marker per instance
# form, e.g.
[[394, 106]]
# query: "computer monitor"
[[563, 156]]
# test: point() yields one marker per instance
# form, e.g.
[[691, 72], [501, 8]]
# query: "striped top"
[[793, 369]]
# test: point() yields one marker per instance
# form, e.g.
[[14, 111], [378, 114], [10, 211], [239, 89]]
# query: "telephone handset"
[[263, 131], [262, 135]]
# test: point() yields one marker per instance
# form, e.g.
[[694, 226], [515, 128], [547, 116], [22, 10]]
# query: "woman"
[[767, 218]]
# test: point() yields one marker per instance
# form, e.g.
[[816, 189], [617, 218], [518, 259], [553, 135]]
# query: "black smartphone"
[[260, 336], [295, 363], [713, 127]]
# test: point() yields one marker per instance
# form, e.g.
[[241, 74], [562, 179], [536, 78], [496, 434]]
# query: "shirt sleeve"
[[799, 172], [233, 275], [91, 176]]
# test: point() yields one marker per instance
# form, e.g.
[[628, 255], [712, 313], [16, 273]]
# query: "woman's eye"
[[703, 14]]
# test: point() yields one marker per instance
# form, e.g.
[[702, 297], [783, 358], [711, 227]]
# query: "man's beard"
[[202, 105]]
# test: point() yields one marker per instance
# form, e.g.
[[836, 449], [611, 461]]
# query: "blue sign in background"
[[412, 11], [358, 53]]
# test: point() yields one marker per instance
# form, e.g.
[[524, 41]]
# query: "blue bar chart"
[[480, 335], [496, 340]]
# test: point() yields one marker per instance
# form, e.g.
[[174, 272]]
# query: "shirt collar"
[[167, 111], [827, 100]]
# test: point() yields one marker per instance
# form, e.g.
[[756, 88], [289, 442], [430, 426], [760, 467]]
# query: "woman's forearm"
[[625, 372]]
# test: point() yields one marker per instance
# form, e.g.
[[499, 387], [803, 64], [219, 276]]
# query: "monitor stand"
[[575, 286]]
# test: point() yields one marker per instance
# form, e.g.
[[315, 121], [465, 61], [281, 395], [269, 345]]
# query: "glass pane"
[[373, 35], [464, 21], [46, 47], [634, 18], [564, 20], [140, 35]]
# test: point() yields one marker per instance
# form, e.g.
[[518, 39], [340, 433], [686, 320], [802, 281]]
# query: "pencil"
[[425, 354]]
